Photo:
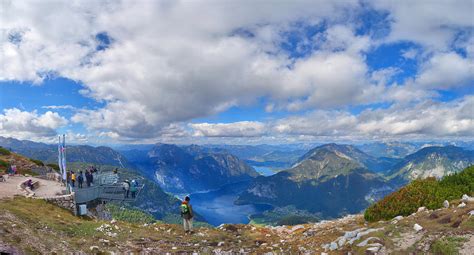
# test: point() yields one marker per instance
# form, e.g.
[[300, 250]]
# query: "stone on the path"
[[333, 246], [446, 204], [366, 241], [417, 227], [94, 248], [421, 209], [471, 213], [373, 250], [462, 205], [220, 244], [113, 221]]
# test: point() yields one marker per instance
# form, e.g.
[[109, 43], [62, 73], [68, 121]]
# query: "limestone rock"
[[372, 250], [462, 205], [366, 241], [417, 227], [398, 218], [446, 204], [421, 209], [466, 198]]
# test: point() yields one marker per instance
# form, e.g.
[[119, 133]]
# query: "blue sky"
[[237, 72]]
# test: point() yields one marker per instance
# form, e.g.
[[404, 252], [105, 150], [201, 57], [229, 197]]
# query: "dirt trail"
[[46, 188]]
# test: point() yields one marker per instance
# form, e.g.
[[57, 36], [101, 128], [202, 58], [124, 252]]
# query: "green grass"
[[427, 192], [4, 151], [37, 162], [4, 165], [447, 245], [129, 214]]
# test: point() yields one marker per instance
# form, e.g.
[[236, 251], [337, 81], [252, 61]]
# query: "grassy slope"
[[34, 226]]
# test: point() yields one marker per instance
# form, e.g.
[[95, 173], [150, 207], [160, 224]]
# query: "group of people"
[[73, 177], [130, 187], [12, 170]]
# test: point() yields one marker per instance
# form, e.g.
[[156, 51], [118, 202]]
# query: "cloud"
[[446, 70], [57, 107], [235, 129], [155, 65], [30, 125], [434, 24], [423, 120]]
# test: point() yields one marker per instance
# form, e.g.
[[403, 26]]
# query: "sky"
[[243, 72]]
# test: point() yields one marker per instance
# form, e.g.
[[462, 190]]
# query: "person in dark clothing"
[[80, 179], [187, 215], [89, 178]]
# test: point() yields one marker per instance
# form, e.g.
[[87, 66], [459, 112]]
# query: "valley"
[[325, 182]]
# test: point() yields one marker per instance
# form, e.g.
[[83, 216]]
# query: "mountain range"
[[188, 169], [435, 161], [333, 180], [329, 180]]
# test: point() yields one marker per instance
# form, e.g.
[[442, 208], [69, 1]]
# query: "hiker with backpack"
[[133, 188], [187, 215]]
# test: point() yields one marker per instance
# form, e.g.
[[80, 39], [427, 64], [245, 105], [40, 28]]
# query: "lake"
[[263, 170], [218, 207]]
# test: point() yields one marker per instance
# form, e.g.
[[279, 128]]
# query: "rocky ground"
[[32, 226]]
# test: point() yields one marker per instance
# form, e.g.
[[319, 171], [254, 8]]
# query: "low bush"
[[428, 192], [4, 151]]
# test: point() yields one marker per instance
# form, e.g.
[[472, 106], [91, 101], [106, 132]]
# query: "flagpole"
[[64, 155]]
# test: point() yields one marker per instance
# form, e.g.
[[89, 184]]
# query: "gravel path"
[[47, 187]]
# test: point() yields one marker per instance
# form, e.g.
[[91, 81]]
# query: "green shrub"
[[4, 164], [54, 166], [4, 151], [428, 192], [37, 162], [129, 215]]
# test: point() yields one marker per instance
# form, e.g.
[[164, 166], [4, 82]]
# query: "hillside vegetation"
[[422, 192]]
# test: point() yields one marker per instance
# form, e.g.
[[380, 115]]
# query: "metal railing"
[[106, 192]]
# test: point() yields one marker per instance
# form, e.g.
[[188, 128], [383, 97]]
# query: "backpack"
[[184, 209]]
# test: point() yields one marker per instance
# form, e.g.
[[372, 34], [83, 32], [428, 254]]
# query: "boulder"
[[466, 198], [417, 227], [421, 209], [446, 204]]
